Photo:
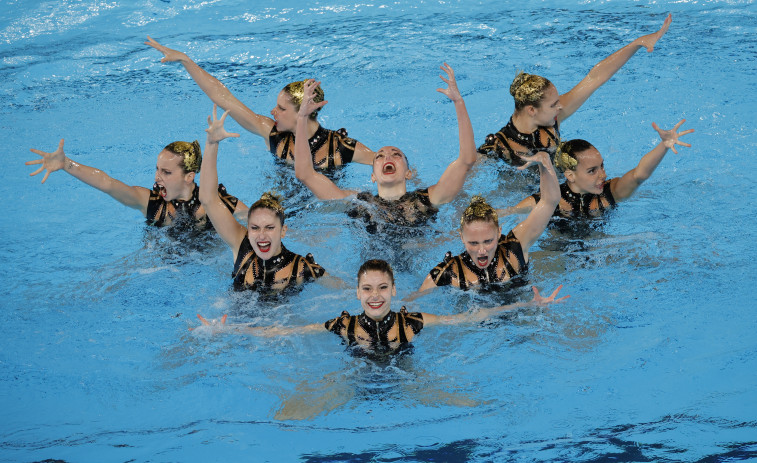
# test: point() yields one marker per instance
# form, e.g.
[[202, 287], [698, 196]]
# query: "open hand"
[[539, 300], [670, 137], [216, 131], [308, 105], [451, 91], [50, 161]]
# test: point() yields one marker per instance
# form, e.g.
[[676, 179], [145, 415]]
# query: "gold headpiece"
[[270, 201], [190, 153], [479, 210], [563, 158], [528, 89], [296, 91]]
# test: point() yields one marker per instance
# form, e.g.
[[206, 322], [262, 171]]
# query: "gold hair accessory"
[[479, 210], [190, 153], [271, 201], [563, 160]]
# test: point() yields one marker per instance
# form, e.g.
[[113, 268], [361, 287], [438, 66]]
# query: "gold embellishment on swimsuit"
[[564, 160], [190, 153], [479, 210], [528, 89]]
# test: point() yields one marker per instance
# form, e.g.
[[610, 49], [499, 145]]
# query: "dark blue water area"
[[651, 359]]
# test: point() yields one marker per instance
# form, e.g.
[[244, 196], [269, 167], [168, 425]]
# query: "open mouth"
[[264, 246], [482, 261], [375, 305], [389, 168], [161, 190]]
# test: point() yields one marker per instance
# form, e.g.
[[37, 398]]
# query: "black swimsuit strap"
[[401, 326], [351, 330], [461, 274]]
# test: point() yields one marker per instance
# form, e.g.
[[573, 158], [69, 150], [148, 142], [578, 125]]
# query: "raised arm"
[[626, 185], [253, 122], [453, 178], [478, 315], [533, 226], [134, 197], [605, 69], [222, 219], [321, 186]]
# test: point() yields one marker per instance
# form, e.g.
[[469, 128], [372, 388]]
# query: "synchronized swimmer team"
[[262, 262]]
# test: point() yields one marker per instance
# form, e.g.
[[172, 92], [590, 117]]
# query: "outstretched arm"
[[482, 314], [134, 197], [453, 178], [605, 69], [625, 186], [530, 229], [220, 326], [255, 123], [321, 186], [222, 219]]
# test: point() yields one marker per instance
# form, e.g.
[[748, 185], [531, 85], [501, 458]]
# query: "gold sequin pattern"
[[479, 210], [190, 153]]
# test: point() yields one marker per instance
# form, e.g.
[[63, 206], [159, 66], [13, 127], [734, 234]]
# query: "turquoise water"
[[652, 359]]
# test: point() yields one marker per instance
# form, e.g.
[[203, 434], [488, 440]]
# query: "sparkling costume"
[[329, 148], [394, 329], [575, 205], [287, 269], [161, 213], [461, 271], [411, 209], [508, 141]]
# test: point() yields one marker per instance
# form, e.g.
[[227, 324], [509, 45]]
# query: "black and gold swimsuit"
[[282, 271], [462, 272], [162, 213], [329, 148], [409, 210], [394, 329], [508, 141], [576, 205]]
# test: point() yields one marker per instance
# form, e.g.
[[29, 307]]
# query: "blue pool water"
[[652, 359]]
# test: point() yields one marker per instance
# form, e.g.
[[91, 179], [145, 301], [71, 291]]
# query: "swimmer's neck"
[[392, 192], [313, 126], [575, 190], [523, 122], [186, 193]]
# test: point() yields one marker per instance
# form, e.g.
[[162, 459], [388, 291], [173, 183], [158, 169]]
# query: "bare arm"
[[253, 122], [220, 326], [135, 197], [482, 314], [530, 229], [625, 186], [363, 154], [321, 186], [453, 178], [605, 69], [222, 219]]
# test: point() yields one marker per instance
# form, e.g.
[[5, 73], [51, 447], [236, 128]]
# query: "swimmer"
[[174, 195], [378, 325], [328, 148], [539, 109], [261, 261], [490, 256], [586, 191], [390, 167]]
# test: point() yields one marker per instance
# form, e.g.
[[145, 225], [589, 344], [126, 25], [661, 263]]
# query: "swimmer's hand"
[[540, 300], [308, 105], [542, 157], [50, 161], [210, 327], [216, 131], [669, 138], [169, 54], [451, 91], [648, 41]]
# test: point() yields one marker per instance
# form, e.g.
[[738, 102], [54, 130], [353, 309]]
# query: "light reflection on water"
[[651, 358]]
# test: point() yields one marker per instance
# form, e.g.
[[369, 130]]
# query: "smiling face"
[[390, 166], [589, 176], [480, 239], [549, 107], [170, 176], [285, 113], [265, 231], [374, 291]]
